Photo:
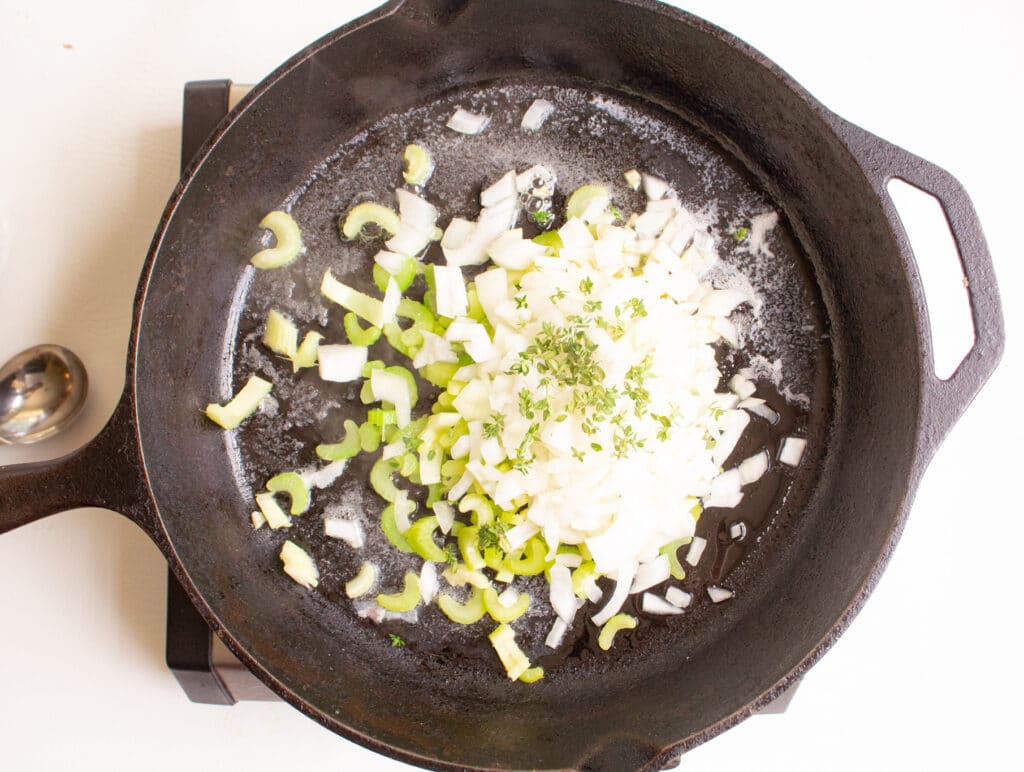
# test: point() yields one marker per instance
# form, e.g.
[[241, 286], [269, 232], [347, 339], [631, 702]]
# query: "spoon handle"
[[106, 472]]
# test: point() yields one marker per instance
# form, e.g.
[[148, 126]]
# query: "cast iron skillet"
[[659, 89]]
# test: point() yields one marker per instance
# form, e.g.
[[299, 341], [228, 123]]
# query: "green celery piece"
[[381, 277], [380, 479], [581, 576], [347, 448], [482, 509], [467, 613], [671, 550], [439, 373], [421, 538], [292, 484], [418, 313], [357, 335], [307, 352], [368, 212], [407, 599], [281, 335], [533, 675], [532, 561], [606, 638], [390, 529], [369, 367], [468, 545], [419, 165], [365, 307], [476, 311], [551, 240], [242, 405], [501, 614], [288, 239], [382, 418], [581, 199], [393, 333], [369, 437]]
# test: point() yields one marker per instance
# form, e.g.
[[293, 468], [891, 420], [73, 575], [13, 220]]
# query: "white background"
[[929, 675]]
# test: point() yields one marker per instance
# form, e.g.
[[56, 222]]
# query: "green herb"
[[717, 413], [525, 403], [615, 212], [578, 454], [596, 446], [626, 441], [495, 426], [412, 444], [520, 301], [432, 455], [587, 286], [518, 368], [637, 309], [592, 305], [396, 641], [741, 234], [542, 216], [490, 535], [451, 556], [557, 295]]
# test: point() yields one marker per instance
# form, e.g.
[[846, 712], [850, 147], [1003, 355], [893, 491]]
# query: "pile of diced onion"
[[587, 464]]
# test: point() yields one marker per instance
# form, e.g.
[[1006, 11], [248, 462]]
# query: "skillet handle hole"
[[942, 275]]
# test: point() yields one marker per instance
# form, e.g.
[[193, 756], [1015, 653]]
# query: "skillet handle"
[[106, 472], [944, 401]]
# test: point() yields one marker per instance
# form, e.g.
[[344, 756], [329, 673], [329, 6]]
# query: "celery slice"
[[361, 304], [582, 198], [288, 237], [606, 638], [503, 638], [299, 565], [390, 529], [551, 240], [581, 578], [368, 212], [533, 560], [421, 538], [418, 165], [532, 675], [502, 614], [357, 336], [439, 373], [347, 448], [292, 484], [417, 312], [281, 335], [467, 613], [362, 582], [272, 512], [243, 405], [369, 437], [380, 479], [480, 506], [382, 418], [671, 550], [393, 333], [470, 549], [407, 599], [306, 354]]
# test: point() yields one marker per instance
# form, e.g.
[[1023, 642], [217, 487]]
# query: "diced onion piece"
[[434, 349], [243, 405], [428, 581], [720, 594], [465, 122], [655, 188], [503, 638], [362, 582], [606, 638], [618, 598], [651, 573], [586, 199], [753, 469], [359, 303], [306, 354], [653, 604], [473, 337], [369, 212], [445, 514], [391, 387], [289, 241], [633, 179], [272, 512], [281, 335], [741, 386], [693, 554], [451, 297], [759, 408], [792, 450], [722, 302], [403, 507], [678, 597], [558, 631], [258, 520], [349, 531], [341, 362], [419, 165], [563, 599], [389, 306], [299, 565], [536, 114], [499, 191], [738, 531]]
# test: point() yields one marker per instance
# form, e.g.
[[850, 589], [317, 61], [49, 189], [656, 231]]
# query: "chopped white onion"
[[623, 582], [558, 631], [445, 514], [393, 388], [651, 573], [792, 450], [569, 560], [341, 363], [434, 349], [536, 114], [759, 408], [466, 122], [741, 386], [720, 594], [563, 599], [402, 508], [725, 490], [753, 469], [392, 262], [738, 531], [655, 188], [678, 597], [350, 531], [461, 488], [325, 476], [299, 565], [428, 581], [633, 179], [258, 520], [652, 604], [509, 597], [697, 546], [392, 297], [450, 290], [501, 190]]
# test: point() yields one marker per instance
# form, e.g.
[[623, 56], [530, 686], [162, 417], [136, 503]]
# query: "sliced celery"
[[299, 565], [407, 599], [421, 538], [292, 484], [476, 311], [410, 382], [502, 614], [468, 545], [390, 529], [480, 506], [369, 367], [281, 335], [306, 353], [417, 312], [410, 465], [407, 273], [671, 550], [243, 405], [362, 582], [503, 638], [361, 304], [381, 277], [439, 373], [532, 676], [381, 418], [288, 237], [606, 638], [582, 198], [369, 437], [272, 512], [393, 333], [551, 240], [380, 479], [347, 448], [418, 165], [358, 336], [368, 212], [581, 578], [467, 613], [533, 560]]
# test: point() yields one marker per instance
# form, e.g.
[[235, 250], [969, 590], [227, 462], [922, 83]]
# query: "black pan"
[[638, 84]]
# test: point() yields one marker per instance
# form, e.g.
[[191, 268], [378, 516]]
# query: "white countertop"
[[928, 677]]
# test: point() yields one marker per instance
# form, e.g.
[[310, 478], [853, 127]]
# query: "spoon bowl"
[[42, 391]]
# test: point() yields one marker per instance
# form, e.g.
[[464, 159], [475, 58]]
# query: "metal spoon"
[[42, 390]]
